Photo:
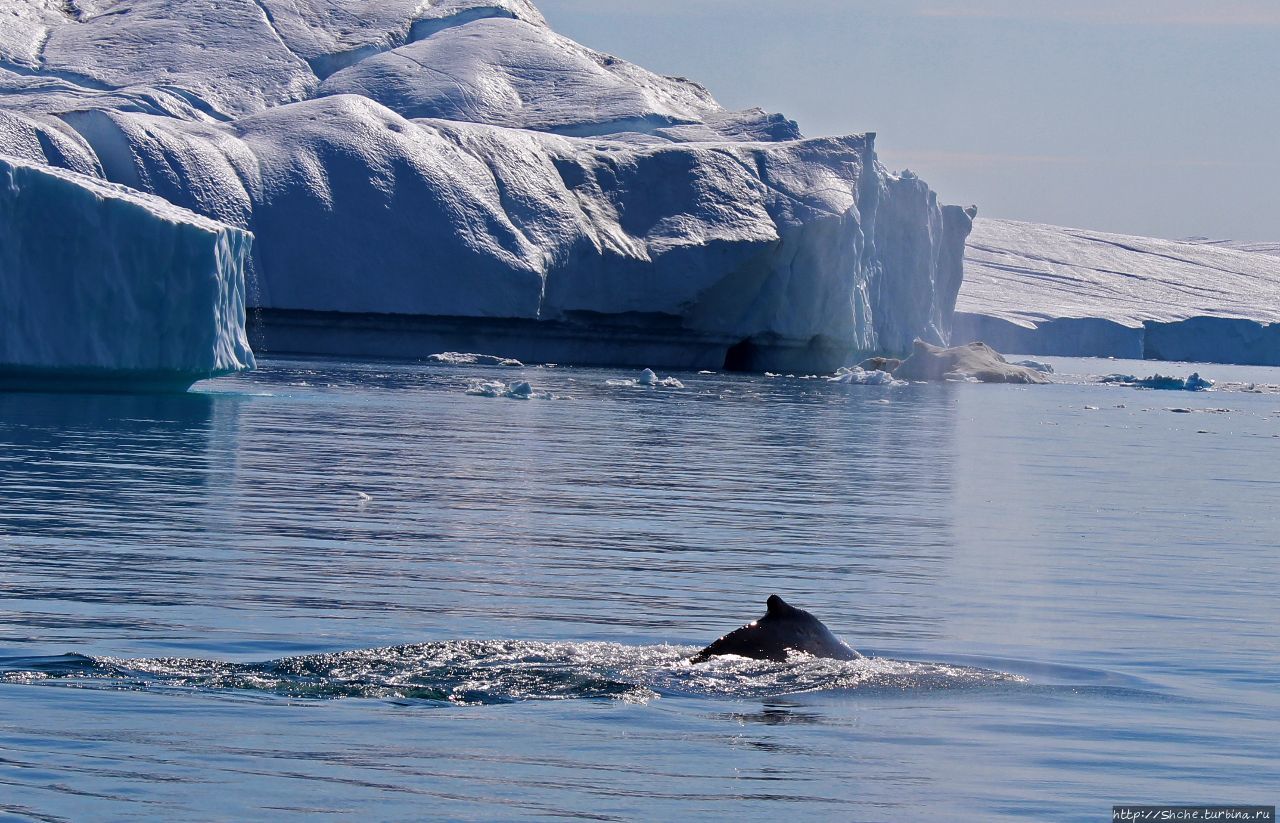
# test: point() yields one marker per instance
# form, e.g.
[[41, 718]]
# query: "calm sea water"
[[332, 590]]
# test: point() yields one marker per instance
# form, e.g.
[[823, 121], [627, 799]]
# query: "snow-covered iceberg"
[[455, 176], [106, 286], [1039, 289]]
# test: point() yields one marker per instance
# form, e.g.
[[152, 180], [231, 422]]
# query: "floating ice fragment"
[[858, 376], [1043, 368], [1159, 381], [518, 390], [977, 360], [647, 378], [453, 358]]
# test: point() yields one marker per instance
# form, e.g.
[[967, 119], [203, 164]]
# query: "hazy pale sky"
[[1158, 117]]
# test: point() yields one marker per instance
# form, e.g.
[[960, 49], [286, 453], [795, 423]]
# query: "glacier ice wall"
[[427, 176], [1040, 289], [102, 284]]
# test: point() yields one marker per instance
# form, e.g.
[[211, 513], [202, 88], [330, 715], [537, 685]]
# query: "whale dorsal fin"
[[776, 607]]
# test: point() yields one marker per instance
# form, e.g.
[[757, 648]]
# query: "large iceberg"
[[453, 175], [1039, 289], [106, 286]]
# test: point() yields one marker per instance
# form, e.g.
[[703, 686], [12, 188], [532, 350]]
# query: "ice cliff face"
[[1041, 289], [102, 284], [426, 175]]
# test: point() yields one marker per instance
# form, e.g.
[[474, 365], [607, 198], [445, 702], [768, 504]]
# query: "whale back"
[[783, 629]]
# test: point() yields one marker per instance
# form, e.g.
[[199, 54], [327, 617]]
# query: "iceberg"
[[455, 176], [107, 287], [971, 363], [1049, 290]]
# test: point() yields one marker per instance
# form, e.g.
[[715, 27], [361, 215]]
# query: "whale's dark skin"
[[783, 629]]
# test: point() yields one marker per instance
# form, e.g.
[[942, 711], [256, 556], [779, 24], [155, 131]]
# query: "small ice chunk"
[[518, 390], [453, 358], [858, 376], [1161, 382], [1043, 368], [647, 378], [1197, 383]]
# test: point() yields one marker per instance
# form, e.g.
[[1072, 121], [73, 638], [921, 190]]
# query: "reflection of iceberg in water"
[[74, 464], [108, 501]]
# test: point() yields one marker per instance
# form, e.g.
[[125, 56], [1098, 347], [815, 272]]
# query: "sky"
[[1155, 117]]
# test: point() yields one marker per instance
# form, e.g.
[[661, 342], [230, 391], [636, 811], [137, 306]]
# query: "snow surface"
[[458, 159], [1271, 249], [99, 282], [1040, 289]]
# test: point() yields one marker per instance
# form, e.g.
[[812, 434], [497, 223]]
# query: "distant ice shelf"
[[106, 287], [1048, 290]]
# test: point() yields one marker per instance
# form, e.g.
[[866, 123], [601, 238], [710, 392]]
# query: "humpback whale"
[[783, 628]]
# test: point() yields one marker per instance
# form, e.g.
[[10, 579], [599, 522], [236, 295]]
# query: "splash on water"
[[475, 673]]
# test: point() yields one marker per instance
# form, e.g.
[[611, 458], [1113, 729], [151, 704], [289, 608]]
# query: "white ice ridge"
[[415, 164], [1271, 249], [1040, 289], [101, 283]]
